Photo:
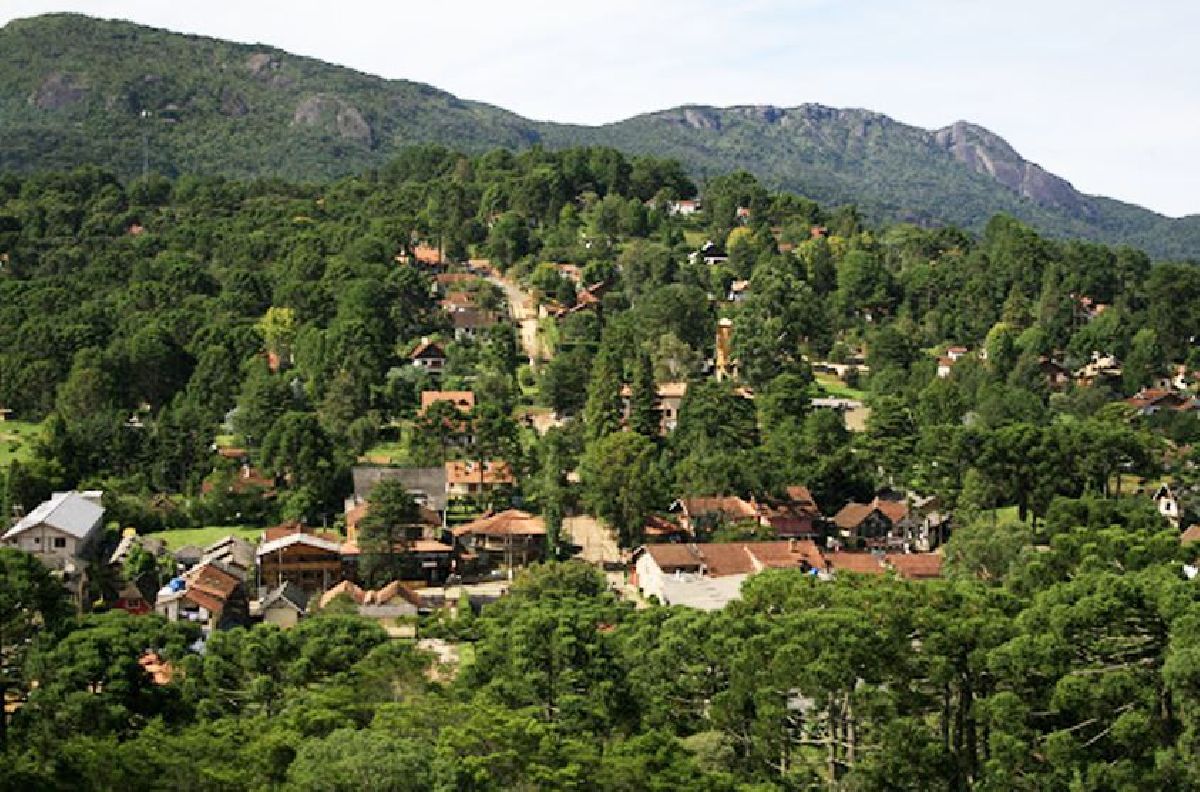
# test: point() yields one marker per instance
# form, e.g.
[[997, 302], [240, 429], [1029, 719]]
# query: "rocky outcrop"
[[57, 91], [987, 153], [326, 110]]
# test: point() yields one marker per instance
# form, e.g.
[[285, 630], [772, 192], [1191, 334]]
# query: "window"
[[60, 542]]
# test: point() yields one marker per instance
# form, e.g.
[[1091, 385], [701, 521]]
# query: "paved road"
[[599, 545], [520, 307]]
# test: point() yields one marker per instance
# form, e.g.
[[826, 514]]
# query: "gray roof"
[[288, 593], [429, 482], [69, 512]]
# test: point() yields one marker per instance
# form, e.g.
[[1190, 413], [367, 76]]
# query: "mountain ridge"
[[73, 90]]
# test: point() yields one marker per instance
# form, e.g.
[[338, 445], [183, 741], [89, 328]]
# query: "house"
[[1149, 401], [424, 557], [1102, 369], [469, 323], [855, 563], [212, 594], [429, 356], [1056, 375], [284, 605], [915, 566], [130, 540], [509, 538], [708, 576], [710, 253], [458, 301], [661, 529], [387, 605], [795, 516], [738, 291], [871, 525], [926, 526], [467, 477], [232, 553], [136, 596], [1192, 534], [700, 516], [62, 531], [1168, 504], [668, 399], [290, 553], [684, 208], [427, 485]]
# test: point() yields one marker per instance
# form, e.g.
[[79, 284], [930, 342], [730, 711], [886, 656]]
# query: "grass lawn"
[[835, 387], [394, 452], [1005, 514], [695, 238], [206, 536], [466, 654], [16, 441]]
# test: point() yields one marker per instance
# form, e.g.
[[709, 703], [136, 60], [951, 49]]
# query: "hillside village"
[[442, 412]]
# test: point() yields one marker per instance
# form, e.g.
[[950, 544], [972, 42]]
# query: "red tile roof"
[[493, 472], [512, 522], [916, 566], [858, 563]]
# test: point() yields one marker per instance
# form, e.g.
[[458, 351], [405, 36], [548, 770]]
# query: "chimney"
[[792, 545]]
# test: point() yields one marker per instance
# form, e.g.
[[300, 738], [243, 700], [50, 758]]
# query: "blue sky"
[[1104, 93]]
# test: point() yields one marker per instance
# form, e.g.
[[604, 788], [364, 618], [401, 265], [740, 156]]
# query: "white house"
[[62, 529]]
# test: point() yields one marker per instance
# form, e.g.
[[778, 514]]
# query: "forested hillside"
[[147, 325], [76, 91]]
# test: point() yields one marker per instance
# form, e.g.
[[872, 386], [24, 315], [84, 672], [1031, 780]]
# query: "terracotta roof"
[[345, 587], [160, 670], [427, 254], [852, 515], [512, 522], [380, 596], [463, 400], [288, 528], [735, 558], [859, 563], [731, 506], [893, 510], [657, 525], [1192, 534], [493, 472], [800, 494], [473, 318], [915, 566], [231, 452], [210, 587], [429, 546], [446, 278]]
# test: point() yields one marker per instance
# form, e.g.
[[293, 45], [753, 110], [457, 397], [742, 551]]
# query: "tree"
[[602, 413], [278, 329], [32, 604], [643, 400], [385, 531], [622, 483]]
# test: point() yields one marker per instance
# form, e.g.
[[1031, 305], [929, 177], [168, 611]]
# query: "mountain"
[[74, 89]]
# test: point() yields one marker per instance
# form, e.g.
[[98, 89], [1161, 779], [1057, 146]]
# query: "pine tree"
[[643, 412], [602, 413]]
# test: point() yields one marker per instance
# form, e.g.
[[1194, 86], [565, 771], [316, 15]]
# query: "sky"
[[1105, 93]]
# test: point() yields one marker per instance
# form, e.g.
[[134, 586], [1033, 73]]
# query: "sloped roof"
[[512, 522], [317, 542], [730, 506], [69, 512], [288, 594], [735, 558], [1192, 534], [463, 400], [859, 563], [495, 471], [427, 349], [427, 481], [210, 587], [915, 566], [852, 515]]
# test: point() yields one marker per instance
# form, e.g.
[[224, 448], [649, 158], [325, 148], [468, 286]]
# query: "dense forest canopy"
[[142, 320]]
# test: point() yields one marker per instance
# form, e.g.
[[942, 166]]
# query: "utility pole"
[[145, 143]]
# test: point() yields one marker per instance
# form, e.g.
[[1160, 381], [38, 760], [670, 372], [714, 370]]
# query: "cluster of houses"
[[709, 576]]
